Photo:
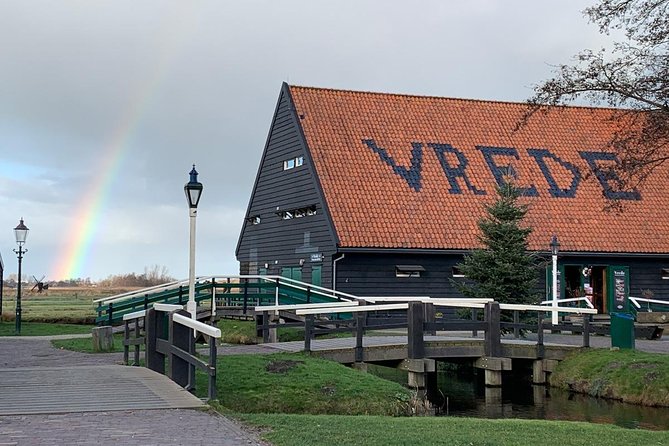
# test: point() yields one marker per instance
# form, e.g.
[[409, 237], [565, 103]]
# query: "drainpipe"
[[334, 271]]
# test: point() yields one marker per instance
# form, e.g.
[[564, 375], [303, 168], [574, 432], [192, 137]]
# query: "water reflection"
[[460, 392]]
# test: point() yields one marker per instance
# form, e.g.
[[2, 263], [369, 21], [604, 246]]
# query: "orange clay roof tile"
[[363, 144]]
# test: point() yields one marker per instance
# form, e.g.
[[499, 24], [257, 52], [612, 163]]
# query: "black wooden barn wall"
[[274, 241], [374, 274]]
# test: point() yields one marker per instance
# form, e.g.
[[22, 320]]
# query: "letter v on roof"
[[411, 175]]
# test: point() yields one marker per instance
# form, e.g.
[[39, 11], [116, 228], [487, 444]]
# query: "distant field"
[[67, 305]]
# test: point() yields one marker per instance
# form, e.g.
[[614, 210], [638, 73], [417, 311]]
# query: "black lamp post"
[[20, 233], [193, 191], [555, 248]]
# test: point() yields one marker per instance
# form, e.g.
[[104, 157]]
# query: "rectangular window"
[[665, 273], [254, 220], [293, 163], [456, 272], [408, 270]]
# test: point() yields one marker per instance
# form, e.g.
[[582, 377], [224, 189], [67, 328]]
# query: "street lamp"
[[555, 248], [193, 191], [20, 233]]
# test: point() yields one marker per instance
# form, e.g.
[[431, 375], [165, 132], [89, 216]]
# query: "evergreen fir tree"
[[503, 270]]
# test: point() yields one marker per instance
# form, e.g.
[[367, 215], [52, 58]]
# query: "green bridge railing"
[[229, 291]]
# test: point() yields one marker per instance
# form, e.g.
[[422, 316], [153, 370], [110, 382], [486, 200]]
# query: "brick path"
[[138, 427]]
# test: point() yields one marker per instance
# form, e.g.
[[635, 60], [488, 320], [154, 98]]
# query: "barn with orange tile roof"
[[380, 194]]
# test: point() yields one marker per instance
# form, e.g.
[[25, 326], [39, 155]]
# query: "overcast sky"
[[104, 105]]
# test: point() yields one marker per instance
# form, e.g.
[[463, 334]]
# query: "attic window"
[[408, 270], [456, 272], [254, 220], [297, 213], [665, 273], [293, 163]]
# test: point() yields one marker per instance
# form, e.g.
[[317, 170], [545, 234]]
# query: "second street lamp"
[[193, 191], [555, 248], [20, 233]]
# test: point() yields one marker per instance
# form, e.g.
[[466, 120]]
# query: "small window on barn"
[[456, 272], [254, 220], [408, 270], [287, 215], [299, 161], [311, 210], [289, 164], [665, 273]]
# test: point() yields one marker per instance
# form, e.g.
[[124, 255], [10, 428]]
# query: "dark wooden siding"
[[374, 275], [276, 242]]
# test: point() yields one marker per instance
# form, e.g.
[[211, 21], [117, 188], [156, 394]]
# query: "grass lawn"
[[43, 329], [325, 430], [86, 345], [628, 375], [71, 305], [296, 383]]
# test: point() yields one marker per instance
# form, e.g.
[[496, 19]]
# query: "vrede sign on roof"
[[416, 172], [456, 172]]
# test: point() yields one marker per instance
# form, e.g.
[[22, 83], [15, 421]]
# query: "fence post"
[[493, 338], [308, 294], [540, 335], [360, 318], [586, 330], [415, 319], [180, 337], [265, 327], [154, 360], [246, 295], [430, 317], [516, 321], [126, 347], [110, 311], [308, 332], [475, 332], [137, 335], [212, 368]]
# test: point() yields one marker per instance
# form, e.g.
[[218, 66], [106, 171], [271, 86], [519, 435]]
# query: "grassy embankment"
[[626, 375], [294, 430]]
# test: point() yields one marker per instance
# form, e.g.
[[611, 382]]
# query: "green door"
[[292, 272], [316, 272], [618, 289]]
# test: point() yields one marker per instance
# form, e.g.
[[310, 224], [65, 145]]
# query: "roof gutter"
[[465, 251]]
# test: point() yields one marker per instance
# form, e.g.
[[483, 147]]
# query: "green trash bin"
[[622, 330]]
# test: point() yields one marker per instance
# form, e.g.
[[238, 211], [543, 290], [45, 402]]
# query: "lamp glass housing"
[[555, 245], [20, 233], [193, 189]]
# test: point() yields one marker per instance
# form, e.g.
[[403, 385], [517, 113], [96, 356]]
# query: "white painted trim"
[[134, 315], [196, 325], [547, 309], [635, 301], [572, 299], [167, 307], [260, 308], [352, 309]]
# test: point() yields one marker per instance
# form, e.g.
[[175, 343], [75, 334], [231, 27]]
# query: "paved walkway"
[[118, 427]]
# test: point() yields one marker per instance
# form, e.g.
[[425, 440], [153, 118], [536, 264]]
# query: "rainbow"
[[85, 222]]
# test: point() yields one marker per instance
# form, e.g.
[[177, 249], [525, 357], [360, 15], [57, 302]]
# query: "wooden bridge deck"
[[48, 390]]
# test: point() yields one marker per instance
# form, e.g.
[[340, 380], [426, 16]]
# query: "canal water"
[[461, 393]]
